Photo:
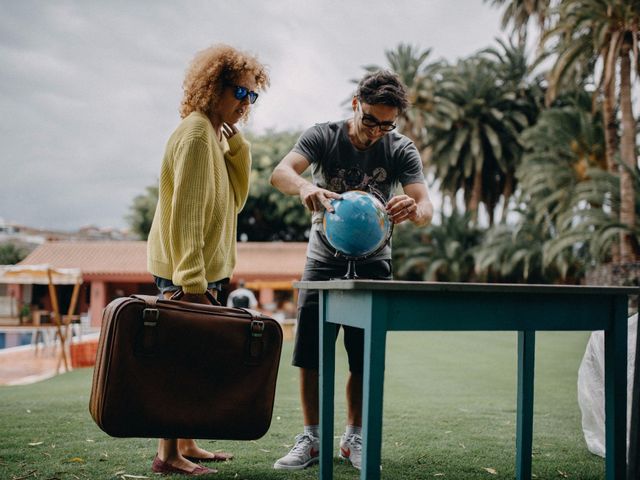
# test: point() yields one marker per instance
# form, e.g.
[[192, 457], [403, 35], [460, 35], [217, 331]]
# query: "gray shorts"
[[306, 347]]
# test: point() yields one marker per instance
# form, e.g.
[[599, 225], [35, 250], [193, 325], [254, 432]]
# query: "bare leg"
[[168, 452], [354, 399], [309, 396], [188, 448]]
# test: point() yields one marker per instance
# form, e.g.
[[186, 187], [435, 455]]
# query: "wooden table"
[[382, 306]]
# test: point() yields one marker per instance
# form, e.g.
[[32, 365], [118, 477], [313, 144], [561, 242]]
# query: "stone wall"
[[617, 274]]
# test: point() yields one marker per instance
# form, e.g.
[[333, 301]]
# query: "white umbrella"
[[39, 275], [47, 275]]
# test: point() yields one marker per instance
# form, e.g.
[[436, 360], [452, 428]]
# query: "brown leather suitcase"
[[171, 369]]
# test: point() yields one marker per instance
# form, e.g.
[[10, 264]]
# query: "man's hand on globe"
[[401, 208], [316, 198]]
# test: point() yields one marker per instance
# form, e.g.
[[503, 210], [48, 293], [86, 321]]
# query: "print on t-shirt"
[[342, 180]]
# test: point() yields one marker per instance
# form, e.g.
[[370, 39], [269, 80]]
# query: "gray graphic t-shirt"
[[338, 166]]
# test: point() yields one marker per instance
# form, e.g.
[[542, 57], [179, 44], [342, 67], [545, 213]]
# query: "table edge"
[[407, 286]]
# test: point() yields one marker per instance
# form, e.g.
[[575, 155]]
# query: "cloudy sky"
[[89, 90]]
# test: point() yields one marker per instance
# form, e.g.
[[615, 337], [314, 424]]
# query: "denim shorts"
[[166, 285], [306, 346]]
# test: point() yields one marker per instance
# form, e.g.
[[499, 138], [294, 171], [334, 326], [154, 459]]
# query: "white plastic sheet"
[[591, 387]]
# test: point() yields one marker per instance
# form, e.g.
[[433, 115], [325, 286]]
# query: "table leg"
[[633, 469], [326, 389], [373, 387], [615, 393], [524, 426]]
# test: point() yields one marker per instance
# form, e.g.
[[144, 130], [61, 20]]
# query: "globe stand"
[[351, 271]]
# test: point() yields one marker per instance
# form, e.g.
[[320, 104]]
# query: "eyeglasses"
[[370, 121], [242, 92]]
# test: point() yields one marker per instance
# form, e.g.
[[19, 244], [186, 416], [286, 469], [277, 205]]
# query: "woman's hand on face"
[[229, 130]]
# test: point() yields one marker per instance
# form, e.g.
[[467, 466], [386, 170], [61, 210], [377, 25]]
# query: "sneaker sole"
[[278, 466]]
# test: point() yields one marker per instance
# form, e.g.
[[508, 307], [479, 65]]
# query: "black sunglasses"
[[242, 92], [370, 122]]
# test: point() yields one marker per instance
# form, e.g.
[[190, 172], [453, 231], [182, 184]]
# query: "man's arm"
[[414, 205], [287, 177]]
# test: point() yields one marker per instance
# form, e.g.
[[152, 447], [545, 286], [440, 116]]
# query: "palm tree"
[[604, 32], [474, 140], [565, 142], [408, 61], [514, 253], [593, 218], [518, 13], [628, 248], [567, 189], [438, 252], [514, 72]]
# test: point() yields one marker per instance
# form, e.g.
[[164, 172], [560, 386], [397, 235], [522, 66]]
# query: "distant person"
[[242, 297], [355, 154], [204, 183]]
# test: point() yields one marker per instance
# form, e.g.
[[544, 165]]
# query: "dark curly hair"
[[383, 87]]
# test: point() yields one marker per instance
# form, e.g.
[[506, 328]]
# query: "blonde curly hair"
[[213, 68]]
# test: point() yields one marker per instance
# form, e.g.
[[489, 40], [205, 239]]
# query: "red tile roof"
[[256, 260]]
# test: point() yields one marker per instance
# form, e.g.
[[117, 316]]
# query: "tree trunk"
[[476, 195], [610, 137], [609, 122], [507, 192], [627, 154]]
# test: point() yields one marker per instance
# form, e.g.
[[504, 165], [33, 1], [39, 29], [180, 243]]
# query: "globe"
[[359, 225]]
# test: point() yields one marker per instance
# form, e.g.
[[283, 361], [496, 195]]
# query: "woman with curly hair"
[[204, 183]]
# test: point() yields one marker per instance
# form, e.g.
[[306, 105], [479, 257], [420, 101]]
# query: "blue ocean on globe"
[[358, 226]]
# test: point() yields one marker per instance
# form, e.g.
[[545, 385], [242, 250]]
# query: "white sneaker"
[[351, 449], [304, 453]]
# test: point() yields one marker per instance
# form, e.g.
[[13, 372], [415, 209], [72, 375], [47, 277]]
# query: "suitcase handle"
[[152, 301], [213, 300]]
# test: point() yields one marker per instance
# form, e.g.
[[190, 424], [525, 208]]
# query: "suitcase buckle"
[[150, 316], [148, 339], [255, 343], [257, 327]]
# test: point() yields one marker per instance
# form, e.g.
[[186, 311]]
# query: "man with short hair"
[[360, 153]]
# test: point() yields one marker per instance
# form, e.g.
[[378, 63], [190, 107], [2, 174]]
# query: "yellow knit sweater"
[[204, 183]]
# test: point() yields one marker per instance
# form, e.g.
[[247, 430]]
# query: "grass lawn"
[[449, 413]]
